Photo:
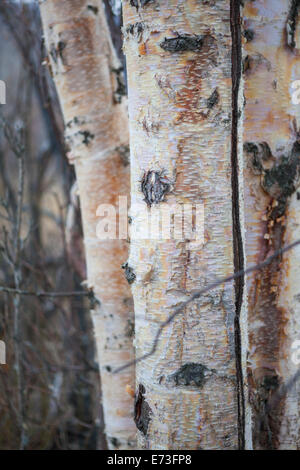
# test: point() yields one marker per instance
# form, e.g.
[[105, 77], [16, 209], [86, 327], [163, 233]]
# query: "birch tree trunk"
[[272, 163], [88, 77], [183, 151]]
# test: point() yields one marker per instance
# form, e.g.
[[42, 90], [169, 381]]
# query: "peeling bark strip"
[[87, 75], [142, 411], [213, 99], [129, 273], [138, 3], [180, 111], [271, 175], [136, 29], [292, 23], [235, 20], [279, 179]]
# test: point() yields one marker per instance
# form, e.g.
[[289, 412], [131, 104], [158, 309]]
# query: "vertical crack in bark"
[[235, 22]]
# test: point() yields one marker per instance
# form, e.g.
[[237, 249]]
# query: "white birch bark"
[[180, 93], [87, 76]]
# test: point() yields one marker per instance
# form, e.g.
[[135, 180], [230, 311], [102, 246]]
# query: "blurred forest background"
[[49, 389]]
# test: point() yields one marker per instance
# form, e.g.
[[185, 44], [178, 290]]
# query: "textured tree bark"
[[180, 108], [89, 82], [272, 163]]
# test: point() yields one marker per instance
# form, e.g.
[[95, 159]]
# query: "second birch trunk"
[[88, 77]]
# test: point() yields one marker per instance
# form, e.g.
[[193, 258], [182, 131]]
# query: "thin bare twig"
[[198, 294], [10, 290]]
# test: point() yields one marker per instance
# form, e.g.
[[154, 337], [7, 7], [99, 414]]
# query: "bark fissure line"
[[235, 21]]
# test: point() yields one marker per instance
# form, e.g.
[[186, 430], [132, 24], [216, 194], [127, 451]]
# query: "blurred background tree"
[[49, 388]]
